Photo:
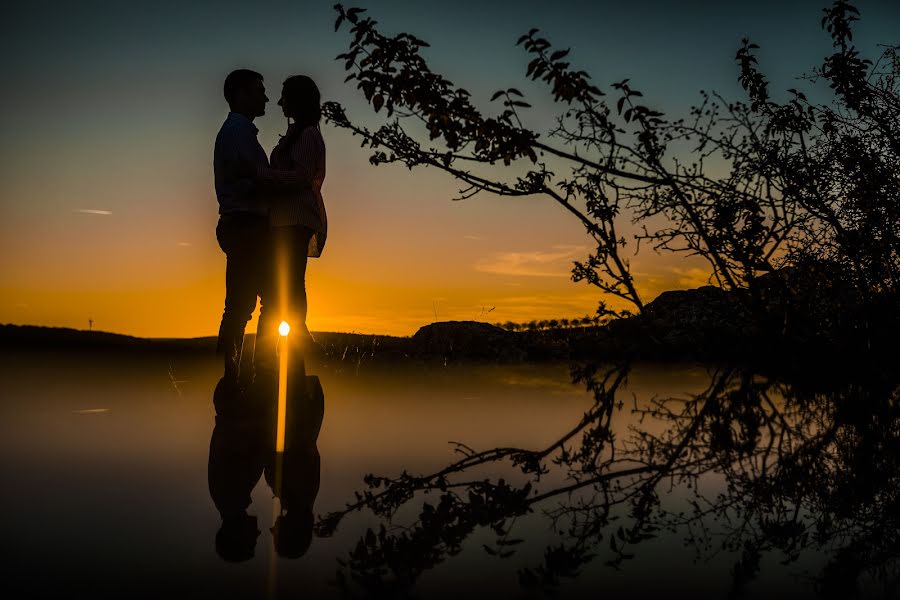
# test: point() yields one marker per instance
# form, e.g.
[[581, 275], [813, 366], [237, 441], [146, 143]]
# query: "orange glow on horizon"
[[337, 303], [396, 259]]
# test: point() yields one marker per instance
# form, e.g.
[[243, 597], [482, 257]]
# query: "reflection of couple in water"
[[242, 448], [272, 216]]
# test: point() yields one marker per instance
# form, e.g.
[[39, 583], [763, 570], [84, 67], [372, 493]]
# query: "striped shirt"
[[236, 157], [298, 171]]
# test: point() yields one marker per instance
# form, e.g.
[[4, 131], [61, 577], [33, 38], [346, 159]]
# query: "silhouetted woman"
[[296, 213]]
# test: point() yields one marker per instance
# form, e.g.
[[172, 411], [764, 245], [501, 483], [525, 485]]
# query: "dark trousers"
[[283, 292], [244, 239]]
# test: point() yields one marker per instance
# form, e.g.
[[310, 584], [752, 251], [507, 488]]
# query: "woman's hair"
[[303, 100]]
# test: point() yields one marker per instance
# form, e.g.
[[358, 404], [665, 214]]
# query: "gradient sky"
[[109, 112]]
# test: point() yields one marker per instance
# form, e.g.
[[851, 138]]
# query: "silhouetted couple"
[[272, 216]]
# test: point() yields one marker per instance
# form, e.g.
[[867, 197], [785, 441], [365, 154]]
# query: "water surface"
[[105, 464]]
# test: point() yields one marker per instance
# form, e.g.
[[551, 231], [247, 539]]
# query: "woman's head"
[[300, 100]]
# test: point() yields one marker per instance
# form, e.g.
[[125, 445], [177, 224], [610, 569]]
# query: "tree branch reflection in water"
[[764, 466]]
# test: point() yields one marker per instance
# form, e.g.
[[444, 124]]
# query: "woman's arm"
[[304, 155], [296, 180]]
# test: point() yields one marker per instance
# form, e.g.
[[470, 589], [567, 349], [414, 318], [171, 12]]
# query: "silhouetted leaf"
[[352, 14]]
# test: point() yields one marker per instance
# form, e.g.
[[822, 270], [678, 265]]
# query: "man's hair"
[[237, 80]]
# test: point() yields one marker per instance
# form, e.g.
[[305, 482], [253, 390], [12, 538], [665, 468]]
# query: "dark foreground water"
[[640, 481]]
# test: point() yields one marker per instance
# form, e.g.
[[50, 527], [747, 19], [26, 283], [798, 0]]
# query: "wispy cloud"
[[523, 308], [93, 211], [690, 278], [472, 237], [556, 262], [652, 284], [184, 244]]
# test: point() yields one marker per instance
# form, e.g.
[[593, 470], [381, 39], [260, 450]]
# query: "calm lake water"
[[105, 466]]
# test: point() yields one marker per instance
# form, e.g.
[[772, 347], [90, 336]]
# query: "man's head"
[[245, 93]]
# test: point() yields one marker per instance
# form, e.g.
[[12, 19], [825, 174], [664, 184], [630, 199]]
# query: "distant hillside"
[[24, 337], [706, 324], [441, 342], [32, 337]]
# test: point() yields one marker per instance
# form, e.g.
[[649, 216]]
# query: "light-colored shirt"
[[236, 158], [298, 162]]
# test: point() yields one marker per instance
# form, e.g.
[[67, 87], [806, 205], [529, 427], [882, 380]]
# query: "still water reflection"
[[120, 480], [242, 450]]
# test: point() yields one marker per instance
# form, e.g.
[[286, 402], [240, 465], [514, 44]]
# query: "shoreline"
[[627, 341]]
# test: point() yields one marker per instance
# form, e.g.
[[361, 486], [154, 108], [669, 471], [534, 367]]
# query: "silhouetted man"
[[243, 225], [238, 452]]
